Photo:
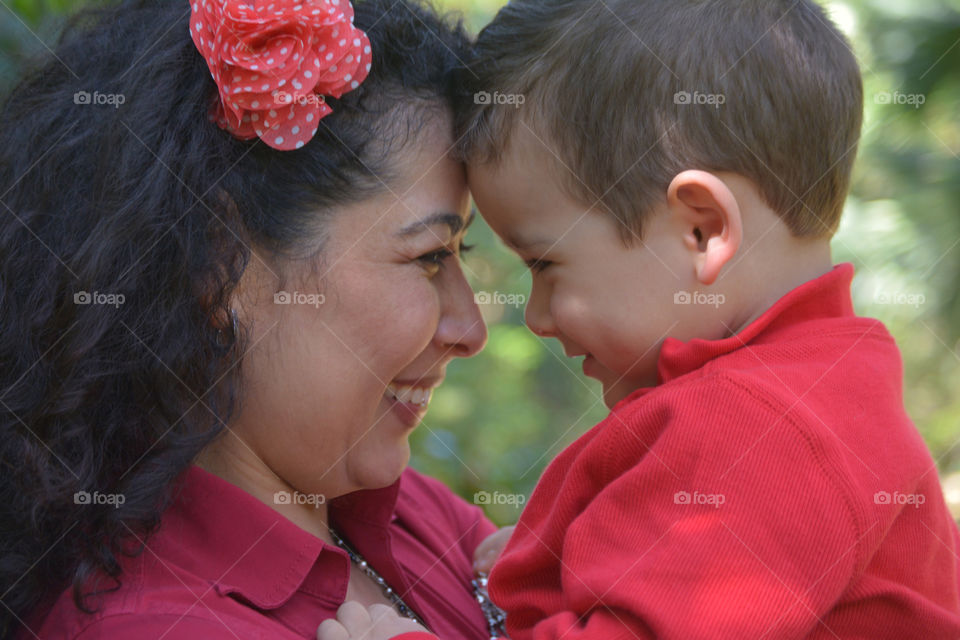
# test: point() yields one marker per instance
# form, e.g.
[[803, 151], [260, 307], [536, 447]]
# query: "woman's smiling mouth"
[[409, 401], [410, 394]]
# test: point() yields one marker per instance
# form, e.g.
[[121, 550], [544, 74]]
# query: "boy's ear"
[[710, 217]]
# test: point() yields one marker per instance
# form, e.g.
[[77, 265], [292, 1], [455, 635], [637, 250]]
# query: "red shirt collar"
[[240, 545], [825, 297]]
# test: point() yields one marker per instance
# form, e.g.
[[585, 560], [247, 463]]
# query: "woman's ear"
[[710, 217]]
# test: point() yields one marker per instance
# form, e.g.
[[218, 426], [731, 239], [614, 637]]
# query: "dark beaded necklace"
[[494, 615], [391, 595]]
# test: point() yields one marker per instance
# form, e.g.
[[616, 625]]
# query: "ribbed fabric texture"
[[772, 486]]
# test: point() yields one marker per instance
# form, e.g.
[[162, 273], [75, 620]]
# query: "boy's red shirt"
[[771, 486]]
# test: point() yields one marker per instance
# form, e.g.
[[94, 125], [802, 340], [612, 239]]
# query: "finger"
[[495, 541], [388, 628], [484, 563], [354, 617], [387, 622], [489, 550], [332, 630], [378, 612], [488, 544]]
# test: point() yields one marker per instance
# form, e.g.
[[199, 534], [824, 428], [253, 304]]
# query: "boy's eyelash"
[[538, 265]]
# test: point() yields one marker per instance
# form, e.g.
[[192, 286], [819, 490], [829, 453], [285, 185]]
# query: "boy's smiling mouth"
[[588, 364]]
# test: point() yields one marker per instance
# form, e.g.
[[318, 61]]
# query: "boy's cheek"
[[576, 314], [596, 324]]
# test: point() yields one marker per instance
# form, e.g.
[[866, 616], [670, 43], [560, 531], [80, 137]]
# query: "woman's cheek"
[[411, 319]]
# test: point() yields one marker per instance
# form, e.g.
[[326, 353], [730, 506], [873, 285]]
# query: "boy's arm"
[[730, 527]]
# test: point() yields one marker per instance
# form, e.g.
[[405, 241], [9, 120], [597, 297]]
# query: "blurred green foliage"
[[502, 415]]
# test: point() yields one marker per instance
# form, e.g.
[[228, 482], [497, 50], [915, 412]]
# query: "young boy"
[[673, 175]]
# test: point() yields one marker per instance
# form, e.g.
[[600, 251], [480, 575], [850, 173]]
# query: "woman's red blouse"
[[225, 566]]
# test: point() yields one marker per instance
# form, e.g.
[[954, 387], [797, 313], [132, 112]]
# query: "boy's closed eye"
[[537, 265]]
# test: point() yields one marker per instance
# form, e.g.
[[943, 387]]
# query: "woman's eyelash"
[[437, 257]]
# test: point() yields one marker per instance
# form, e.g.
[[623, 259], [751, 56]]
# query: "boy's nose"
[[537, 315]]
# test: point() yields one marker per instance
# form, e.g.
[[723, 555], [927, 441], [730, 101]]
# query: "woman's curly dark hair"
[[123, 232]]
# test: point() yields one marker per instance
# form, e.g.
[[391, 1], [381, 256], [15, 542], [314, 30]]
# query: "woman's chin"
[[385, 468], [385, 452]]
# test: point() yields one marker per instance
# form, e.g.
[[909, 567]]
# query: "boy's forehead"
[[524, 151], [504, 188], [522, 174], [520, 208]]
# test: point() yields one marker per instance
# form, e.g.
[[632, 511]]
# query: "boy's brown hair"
[[628, 93]]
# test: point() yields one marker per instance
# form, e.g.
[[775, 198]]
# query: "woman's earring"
[[234, 326]]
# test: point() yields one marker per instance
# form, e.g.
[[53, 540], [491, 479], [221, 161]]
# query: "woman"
[[219, 324]]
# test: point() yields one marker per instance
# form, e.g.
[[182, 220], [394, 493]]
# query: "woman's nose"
[[461, 329]]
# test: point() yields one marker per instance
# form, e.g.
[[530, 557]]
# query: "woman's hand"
[[356, 622], [489, 550]]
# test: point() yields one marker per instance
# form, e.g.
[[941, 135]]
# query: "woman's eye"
[[435, 257], [438, 257], [537, 265]]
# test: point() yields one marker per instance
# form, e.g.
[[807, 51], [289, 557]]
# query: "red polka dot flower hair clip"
[[275, 61]]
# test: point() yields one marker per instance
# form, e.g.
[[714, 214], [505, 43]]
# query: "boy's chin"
[[612, 394], [617, 386]]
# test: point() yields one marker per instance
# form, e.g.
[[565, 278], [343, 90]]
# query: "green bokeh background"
[[502, 415]]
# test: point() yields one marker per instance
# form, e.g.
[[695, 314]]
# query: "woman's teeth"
[[413, 395]]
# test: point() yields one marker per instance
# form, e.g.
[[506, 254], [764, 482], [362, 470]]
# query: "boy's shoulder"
[[857, 350], [826, 377], [813, 399], [808, 350], [811, 360]]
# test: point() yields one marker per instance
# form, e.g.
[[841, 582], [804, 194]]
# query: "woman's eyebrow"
[[452, 220]]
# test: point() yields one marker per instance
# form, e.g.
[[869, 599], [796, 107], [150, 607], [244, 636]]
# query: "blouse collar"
[[240, 545]]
